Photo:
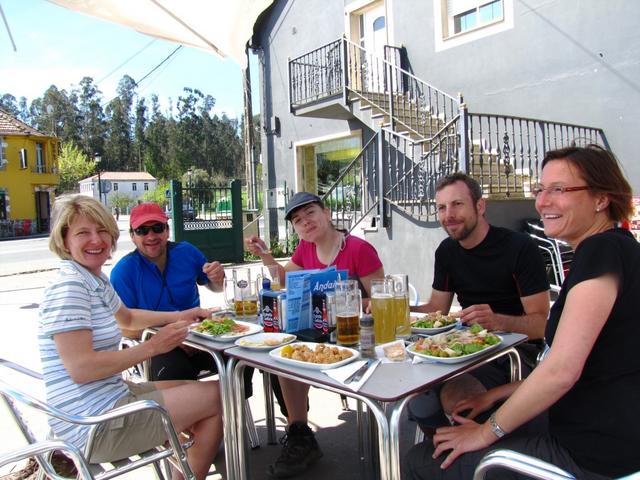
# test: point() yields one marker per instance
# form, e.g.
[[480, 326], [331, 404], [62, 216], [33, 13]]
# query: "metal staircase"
[[421, 135]]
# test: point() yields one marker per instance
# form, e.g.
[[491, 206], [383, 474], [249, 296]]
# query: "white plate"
[[256, 342], [428, 331], [314, 366], [229, 337], [460, 359]]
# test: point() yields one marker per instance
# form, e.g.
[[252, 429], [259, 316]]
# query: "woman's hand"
[[256, 246], [170, 336], [476, 404], [469, 436]]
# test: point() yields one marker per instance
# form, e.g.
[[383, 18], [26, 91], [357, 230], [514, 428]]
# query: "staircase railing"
[[317, 74], [502, 152], [355, 194], [411, 103], [505, 152]]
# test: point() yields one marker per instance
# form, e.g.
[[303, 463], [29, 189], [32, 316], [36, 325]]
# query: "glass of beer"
[[245, 295], [348, 306], [271, 272], [401, 304], [382, 301]]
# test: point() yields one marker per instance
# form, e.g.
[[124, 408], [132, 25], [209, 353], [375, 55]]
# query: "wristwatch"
[[495, 428]]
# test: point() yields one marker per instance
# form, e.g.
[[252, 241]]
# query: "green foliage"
[[74, 166], [158, 195], [120, 200]]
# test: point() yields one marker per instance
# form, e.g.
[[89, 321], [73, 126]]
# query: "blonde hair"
[[65, 210]]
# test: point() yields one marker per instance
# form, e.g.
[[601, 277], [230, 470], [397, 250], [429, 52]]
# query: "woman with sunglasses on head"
[[79, 334], [589, 380], [321, 245], [164, 276]]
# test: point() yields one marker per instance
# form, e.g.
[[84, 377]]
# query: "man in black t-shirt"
[[498, 276]]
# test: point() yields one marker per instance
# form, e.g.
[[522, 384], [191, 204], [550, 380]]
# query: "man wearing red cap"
[[163, 276]]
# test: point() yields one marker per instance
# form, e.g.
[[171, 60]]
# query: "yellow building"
[[28, 177]]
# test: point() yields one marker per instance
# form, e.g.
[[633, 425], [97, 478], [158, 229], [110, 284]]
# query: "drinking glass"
[[401, 304], [348, 305], [384, 325], [245, 296], [272, 272]]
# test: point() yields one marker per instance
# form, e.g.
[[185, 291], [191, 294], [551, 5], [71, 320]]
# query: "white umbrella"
[[219, 26]]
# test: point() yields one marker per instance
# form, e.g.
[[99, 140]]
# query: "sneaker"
[[299, 450]]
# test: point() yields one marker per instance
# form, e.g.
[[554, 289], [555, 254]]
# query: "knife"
[[358, 374]]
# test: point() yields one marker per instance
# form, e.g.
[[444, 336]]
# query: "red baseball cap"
[[147, 212]]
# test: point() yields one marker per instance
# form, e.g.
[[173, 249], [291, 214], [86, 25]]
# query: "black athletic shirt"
[[597, 421], [505, 266]]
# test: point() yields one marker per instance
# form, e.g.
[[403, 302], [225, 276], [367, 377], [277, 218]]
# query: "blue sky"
[[58, 46]]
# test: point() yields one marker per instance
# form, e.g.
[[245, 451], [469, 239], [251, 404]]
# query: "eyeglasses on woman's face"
[[155, 228], [556, 190]]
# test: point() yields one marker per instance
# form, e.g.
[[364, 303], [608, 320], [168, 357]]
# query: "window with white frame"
[[40, 168], [146, 187], [23, 158], [3, 154], [134, 187], [464, 21], [115, 186]]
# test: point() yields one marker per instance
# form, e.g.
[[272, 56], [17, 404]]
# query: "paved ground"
[[19, 298]]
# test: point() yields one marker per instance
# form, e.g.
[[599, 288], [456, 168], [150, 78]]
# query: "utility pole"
[[252, 192]]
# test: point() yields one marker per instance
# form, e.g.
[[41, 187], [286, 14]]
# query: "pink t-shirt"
[[358, 257]]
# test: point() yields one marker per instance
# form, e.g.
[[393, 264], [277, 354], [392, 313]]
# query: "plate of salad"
[[224, 329], [457, 346], [433, 322]]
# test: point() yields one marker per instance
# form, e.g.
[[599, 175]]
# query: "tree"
[[118, 145], [139, 139], [57, 112], [9, 104], [120, 200], [92, 120], [159, 195], [74, 166]]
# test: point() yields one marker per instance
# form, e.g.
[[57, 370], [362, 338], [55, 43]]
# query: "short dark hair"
[[474, 187], [601, 171]]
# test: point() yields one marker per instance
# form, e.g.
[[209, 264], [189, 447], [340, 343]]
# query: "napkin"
[[342, 373]]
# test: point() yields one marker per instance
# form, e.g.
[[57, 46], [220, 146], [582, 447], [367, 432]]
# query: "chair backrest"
[[14, 397], [519, 462]]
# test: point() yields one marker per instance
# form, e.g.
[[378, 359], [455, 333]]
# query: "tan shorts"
[[135, 433]]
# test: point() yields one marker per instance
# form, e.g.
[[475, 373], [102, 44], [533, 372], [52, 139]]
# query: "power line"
[[137, 83], [126, 61]]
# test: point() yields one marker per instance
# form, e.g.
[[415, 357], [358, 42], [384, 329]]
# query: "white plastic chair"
[[18, 401], [521, 463]]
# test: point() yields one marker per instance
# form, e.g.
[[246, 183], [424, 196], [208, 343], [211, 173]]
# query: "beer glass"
[[348, 306], [384, 325], [245, 296], [272, 272], [401, 304]]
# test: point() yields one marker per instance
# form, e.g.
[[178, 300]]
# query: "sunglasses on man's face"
[[144, 229]]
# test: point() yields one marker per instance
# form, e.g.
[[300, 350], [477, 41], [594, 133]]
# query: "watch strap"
[[495, 428]]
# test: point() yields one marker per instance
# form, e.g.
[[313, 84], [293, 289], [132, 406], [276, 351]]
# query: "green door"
[[210, 219]]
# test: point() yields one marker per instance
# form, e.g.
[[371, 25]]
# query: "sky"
[[58, 46]]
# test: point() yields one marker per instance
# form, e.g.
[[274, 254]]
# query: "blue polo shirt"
[[140, 284]]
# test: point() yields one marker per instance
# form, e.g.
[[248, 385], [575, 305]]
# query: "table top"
[[390, 381]]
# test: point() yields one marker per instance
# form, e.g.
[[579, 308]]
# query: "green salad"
[[434, 320], [216, 327], [458, 343]]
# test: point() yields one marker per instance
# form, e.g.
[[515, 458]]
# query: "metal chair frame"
[[521, 463], [48, 447], [174, 452]]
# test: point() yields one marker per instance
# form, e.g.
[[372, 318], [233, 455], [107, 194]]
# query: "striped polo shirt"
[[78, 300]]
